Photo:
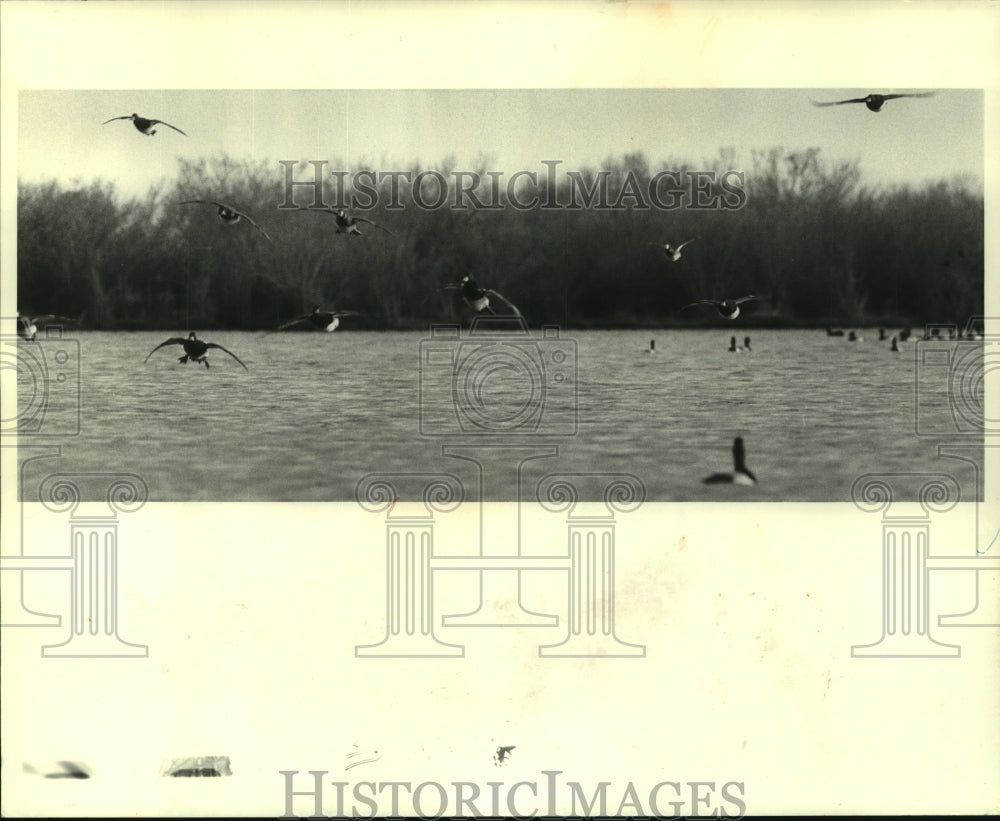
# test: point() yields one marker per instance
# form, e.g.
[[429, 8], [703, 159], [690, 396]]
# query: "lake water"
[[317, 412]]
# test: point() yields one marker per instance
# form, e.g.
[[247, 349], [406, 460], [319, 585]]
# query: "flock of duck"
[[474, 298]]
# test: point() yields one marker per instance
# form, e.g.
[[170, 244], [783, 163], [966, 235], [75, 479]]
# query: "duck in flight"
[[347, 224], [672, 251], [229, 215], [27, 326], [321, 320], [194, 349], [143, 125], [873, 101], [741, 474], [727, 308], [476, 298]]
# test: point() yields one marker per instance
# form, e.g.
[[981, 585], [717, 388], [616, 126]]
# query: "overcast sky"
[[910, 140]]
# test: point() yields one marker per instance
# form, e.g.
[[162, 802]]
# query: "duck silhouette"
[[143, 125], [741, 474], [27, 326], [477, 298], [347, 224], [672, 251], [874, 102], [321, 320], [228, 214], [727, 308], [194, 349]]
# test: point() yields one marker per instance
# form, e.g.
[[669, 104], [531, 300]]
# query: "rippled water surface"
[[317, 412]]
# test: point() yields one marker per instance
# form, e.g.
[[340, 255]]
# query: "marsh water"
[[317, 412]]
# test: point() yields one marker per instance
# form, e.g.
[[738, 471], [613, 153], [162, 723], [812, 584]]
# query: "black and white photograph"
[[344, 342]]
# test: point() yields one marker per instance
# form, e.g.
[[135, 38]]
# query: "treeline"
[[801, 233]]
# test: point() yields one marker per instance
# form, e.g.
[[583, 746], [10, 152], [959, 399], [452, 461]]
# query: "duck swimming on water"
[[321, 320], [143, 125], [741, 474], [874, 102], [229, 215], [194, 349]]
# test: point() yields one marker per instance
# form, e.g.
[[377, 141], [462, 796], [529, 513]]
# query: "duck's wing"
[[503, 299], [211, 202], [234, 356], [712, 302], [174, 340], [254, 224], [51, 318], [743, 299], [337, 314], [126, 117], [372, 222], [168, 125], [686, 242], [915, 94], [840, 102], [292, 322]]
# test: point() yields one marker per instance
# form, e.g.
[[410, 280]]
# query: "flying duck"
[[674, 252], [229, 214], [349, 225], [874, 101], [27, 326], [727, 308], [741, 474], [143, 125], [194, 349], [476, 298], [321, 320]]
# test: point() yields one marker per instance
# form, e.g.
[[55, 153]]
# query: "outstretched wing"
[[254, 224], [502, 298], [699, 302], [841, 102], [207, 202], [292, 322], [234, 356], [336, 314], [168, 125], [126, 117], [897, 96], [746, 298], [372, 222], [174, 340], [686, 242]]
